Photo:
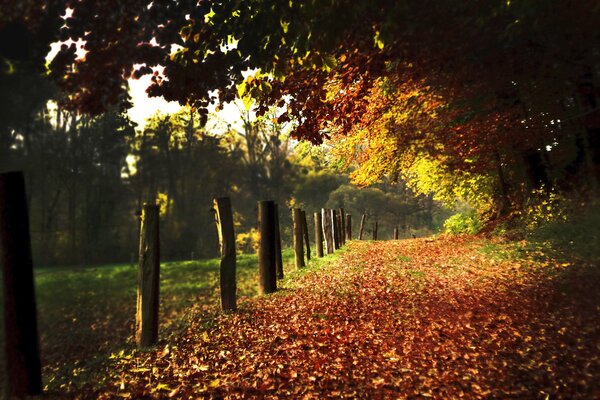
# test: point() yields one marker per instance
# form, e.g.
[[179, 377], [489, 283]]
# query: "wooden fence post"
[[146, 320], [375, 230], [396, 233], [278, 255], [24, 376], [267, 274], [305, 234], [361, 231], [348, 227], [334, 230], [342, 218], [224, 221], [327, 230], [298, 245], [318, 233]]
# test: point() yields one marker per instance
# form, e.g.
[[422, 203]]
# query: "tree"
[[503, 90]]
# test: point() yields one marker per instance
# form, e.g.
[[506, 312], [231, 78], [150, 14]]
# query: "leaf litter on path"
[[408, 319]]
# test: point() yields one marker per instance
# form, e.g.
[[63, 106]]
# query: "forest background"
[[489, 108]]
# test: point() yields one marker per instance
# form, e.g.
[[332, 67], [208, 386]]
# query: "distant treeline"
[[87, 179]]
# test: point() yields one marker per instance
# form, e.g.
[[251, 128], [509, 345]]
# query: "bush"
[[464, 222], [545, 206], [247, 242]]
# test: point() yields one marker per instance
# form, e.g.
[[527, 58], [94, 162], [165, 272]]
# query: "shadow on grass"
[[86, 314]]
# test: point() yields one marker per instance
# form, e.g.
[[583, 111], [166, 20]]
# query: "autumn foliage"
[[500, 95], [444, 318]]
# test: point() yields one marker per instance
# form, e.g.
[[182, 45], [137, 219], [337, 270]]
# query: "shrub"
[[545, 206], [464, 222], [247, 242]]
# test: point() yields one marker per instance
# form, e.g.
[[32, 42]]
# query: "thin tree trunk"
[[278, 255], [22, 354], [502, 185], [395, 233], [361, 231], [305, 234], [298, 245], [375, 231], [327, 231], [266, 248], [148, 278], [224, 221], [318, 233]]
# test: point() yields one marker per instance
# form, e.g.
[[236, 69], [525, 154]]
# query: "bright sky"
[[144, 107]]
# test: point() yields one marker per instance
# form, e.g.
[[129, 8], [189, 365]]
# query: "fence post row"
[[361, 231], [24, 376], [267, 274], [348, 227], [305, 233], [318, 221], [298, 245], [278, 255], [224, 221], [146, 319], [327, 230]]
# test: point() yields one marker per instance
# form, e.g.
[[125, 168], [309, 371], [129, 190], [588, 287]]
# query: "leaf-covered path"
[[441, 318]]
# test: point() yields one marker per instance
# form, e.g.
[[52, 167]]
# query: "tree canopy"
[[498, 91]]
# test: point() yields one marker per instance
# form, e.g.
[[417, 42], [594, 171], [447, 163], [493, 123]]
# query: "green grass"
[[85, 314], [293, 275]]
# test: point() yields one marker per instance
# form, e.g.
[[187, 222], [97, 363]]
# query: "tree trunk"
[[503, 186], [278, 255], [375, 231], [327, 231], [298, 245], [361, 231], [22, 354], [148, 278], [266, 249], [395, 233], [318, 233], [224, 221]]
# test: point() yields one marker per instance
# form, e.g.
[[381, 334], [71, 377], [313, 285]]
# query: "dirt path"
[[444, 319]]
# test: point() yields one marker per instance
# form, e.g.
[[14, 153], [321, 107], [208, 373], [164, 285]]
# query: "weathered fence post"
[[298, 245], [375, 230], [348, 227], [278, 255], [24, 377], [224, 221], [342, 219], [361, 231], [146, 319], [327, 230], [305, 234], [334, 230], [318, 233], [267, 274], [396, 233]]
